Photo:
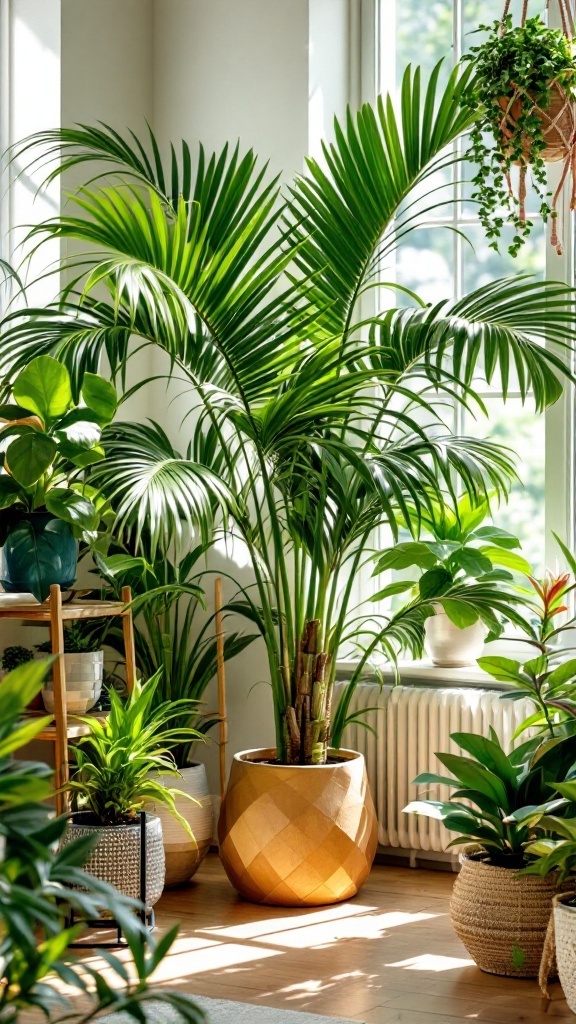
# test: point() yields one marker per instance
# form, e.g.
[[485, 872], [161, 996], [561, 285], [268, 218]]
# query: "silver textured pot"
[[84, 674], [450, 647], [116, 856]]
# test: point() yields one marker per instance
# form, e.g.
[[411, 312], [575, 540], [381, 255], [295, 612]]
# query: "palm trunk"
[[308, 718]]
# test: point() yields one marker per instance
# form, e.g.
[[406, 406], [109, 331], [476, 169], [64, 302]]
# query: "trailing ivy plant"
[[515, 69]]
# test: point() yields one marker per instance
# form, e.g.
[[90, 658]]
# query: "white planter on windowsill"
[[450, 647]]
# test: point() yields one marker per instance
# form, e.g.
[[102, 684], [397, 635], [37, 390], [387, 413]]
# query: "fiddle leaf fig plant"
[[464, 566], [48, 440]]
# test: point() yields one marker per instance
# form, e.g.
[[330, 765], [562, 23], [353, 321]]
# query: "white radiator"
[[411, 723]]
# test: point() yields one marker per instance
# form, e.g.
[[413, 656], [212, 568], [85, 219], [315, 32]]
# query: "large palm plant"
[[319, 418]]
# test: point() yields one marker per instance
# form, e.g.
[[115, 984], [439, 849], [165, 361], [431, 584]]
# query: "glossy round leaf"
[[73, 508], [29, 456], [44, 387], [100, 396]]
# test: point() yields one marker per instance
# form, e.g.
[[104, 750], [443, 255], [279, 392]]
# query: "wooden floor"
[[387, 957]]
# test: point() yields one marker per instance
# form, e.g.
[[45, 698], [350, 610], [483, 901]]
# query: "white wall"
[[270, 73], [226, 70]]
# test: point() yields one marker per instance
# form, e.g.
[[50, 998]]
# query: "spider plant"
[[40, 885], [113, 762], [319, 410]]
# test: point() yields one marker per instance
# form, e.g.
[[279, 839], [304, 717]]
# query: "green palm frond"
[[500, 330], [152, 489], [339, 214]]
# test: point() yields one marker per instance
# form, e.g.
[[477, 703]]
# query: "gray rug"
[[225, 1011]]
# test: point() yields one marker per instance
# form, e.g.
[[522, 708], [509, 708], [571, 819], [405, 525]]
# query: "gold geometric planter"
[[297, 835]]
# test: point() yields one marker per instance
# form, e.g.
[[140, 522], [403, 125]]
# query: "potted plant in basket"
[[309, 428], [112, 781], [48, 442], [524, 87], [463, 558], [555, 854], [84, 666], [499, 912], [39, 886], [168, 602]]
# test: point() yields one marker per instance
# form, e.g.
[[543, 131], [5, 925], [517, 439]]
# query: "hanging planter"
[[525, 86]]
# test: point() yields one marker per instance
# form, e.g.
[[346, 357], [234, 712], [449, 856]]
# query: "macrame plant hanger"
[[558, 128]]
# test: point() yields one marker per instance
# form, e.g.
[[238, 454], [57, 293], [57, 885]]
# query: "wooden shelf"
[[73, 610], [74, 729], [55, 612]]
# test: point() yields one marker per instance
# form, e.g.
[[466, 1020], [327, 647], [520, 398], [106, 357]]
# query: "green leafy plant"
[[310, 405], [549, 678], [113, 762], [557, 850], [78, 639], [49, 441], [489, 786], [515, 69], [462, 567], [14, 656], [36, 896], [171, 632]]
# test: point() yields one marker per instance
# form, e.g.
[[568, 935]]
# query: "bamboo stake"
[[221, 676]]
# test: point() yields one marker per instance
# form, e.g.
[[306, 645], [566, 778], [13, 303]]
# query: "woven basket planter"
[[297, 835], [558, 124], [116, 857], [565, 931], [501, 916], [184, 855]]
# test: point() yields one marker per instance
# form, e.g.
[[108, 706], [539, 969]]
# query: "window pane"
[[517, 427]]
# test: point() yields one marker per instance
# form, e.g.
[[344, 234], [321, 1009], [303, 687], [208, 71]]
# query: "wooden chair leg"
[[59, 684], [129, 645]]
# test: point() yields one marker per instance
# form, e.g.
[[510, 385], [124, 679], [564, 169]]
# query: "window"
[[436, 261]]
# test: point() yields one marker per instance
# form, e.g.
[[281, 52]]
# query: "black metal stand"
[[107, 924]]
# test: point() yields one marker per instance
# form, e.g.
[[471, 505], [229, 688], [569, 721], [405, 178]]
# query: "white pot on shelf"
[[183, 855], [450, 647], [84, 675]]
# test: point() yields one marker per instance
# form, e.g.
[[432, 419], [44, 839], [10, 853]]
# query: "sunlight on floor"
[[294, 919], [432, 962]]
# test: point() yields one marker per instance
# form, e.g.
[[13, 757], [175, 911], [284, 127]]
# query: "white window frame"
[[376, 36]]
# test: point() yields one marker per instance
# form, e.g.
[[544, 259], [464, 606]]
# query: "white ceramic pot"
[[116, 857], [565, 931], [450, 647], [183, 856], [84, 674], [78, 702]]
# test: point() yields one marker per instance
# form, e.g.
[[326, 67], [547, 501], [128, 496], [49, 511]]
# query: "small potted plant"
[[112, 783], [168, 601], [549, 676], [49, 441], [464, 569], [14, 656], [500, 914], [83, 666], [523, 88]]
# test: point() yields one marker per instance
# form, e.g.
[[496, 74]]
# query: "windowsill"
[[414, 672]]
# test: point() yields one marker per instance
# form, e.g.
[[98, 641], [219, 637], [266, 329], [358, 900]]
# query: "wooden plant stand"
[[55, 613]]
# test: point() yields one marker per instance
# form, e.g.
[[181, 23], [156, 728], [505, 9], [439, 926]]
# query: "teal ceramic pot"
[[39, 550]]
